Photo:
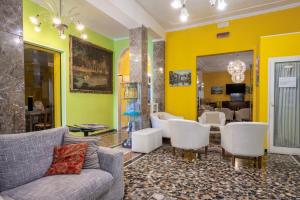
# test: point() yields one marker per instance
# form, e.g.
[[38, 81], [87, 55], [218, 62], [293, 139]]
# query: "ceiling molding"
[[278, 8], [121, 38], [275, 35]]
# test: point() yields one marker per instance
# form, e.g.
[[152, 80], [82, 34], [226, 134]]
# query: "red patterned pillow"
[[68, 159]]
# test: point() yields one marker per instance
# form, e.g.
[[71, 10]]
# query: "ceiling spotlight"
[[222, 5], [34, 19], [176, 4], [84, 36], [184, 14], [80, 27]]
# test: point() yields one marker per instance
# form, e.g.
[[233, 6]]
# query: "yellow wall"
[[211, 79], [273, 46], [124, 69], [182, 48]]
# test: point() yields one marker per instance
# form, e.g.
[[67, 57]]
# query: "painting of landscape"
[[90, 67], [180, 78]]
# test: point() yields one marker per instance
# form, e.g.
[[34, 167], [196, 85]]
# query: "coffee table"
[[87, 128]]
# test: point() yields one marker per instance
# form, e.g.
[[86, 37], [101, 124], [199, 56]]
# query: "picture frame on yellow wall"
[[180, 78], [216, 90]]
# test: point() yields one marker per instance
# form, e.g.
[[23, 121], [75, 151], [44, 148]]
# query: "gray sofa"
[[25, 157]]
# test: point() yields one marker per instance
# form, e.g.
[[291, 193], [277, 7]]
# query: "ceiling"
[[218, 63], [94, 19], [202, 13], [160, 15]]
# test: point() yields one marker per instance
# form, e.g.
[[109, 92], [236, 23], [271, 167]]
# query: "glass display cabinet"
[[132, 103]]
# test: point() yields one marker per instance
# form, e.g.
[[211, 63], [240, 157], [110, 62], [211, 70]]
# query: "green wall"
[[76, 107]]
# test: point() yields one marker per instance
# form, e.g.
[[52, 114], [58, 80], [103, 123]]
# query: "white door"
[[284, 105]]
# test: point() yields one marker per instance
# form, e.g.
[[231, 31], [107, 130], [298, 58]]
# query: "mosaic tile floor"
[[162, 176]]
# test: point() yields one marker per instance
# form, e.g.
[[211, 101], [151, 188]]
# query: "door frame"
[[271, 76], [57, 80]]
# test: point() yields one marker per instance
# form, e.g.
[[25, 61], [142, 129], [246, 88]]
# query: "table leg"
[[86, 133], [30, 123]]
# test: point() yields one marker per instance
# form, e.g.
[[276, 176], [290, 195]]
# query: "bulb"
[[212, 2], [161, 70], [34, 20], [149, 74], [63, 36], [176, 4], [222, 5], [37, 29], [84, 36], [80, 26], [56, 21], [184, 14]]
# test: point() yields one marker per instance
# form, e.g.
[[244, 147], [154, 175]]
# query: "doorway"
[[284, 105], [218, 89], [42, 88]]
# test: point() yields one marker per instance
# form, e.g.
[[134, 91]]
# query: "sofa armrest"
[[111, 161]]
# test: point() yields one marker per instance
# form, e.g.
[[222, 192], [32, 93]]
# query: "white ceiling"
[[158, 15], [202, 13], [218, 63], [94, 19]]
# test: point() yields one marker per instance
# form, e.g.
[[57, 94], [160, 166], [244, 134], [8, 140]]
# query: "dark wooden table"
[[86, 129]]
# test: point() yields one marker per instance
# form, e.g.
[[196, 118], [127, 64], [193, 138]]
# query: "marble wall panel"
[[11, 16], [138, 44], [158, 75], [12, 102]]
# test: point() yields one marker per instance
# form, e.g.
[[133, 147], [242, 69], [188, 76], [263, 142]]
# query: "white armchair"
[[160, 120], [228, 113], [213, 118], [244, 139], [242, 115], [189, 135]]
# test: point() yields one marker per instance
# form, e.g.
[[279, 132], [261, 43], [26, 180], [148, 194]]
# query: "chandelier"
[[184, 14], [237, 69], [59, 17], [221, 4]]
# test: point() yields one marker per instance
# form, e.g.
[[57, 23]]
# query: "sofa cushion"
[[90, 184], [67, 159], [27, 156], [91, 160]]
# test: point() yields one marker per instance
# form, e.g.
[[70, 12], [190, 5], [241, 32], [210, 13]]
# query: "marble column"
[[138, 45], [12, 102], [158, 75]]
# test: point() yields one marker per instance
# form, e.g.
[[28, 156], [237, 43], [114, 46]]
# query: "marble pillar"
[[12, 101], [138, 45], [158, 74]]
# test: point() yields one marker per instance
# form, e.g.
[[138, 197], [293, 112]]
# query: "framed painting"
[[216, 90], [91, 67], [180, 78]]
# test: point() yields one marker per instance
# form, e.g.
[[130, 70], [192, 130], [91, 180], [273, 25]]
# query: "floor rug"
[[162, 176]]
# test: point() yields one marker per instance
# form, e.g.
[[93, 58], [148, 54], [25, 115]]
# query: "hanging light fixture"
[[181, 4], [221, 4], [184, 14], [237, 69], [59, 17], [238, 78], [176, 4]]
